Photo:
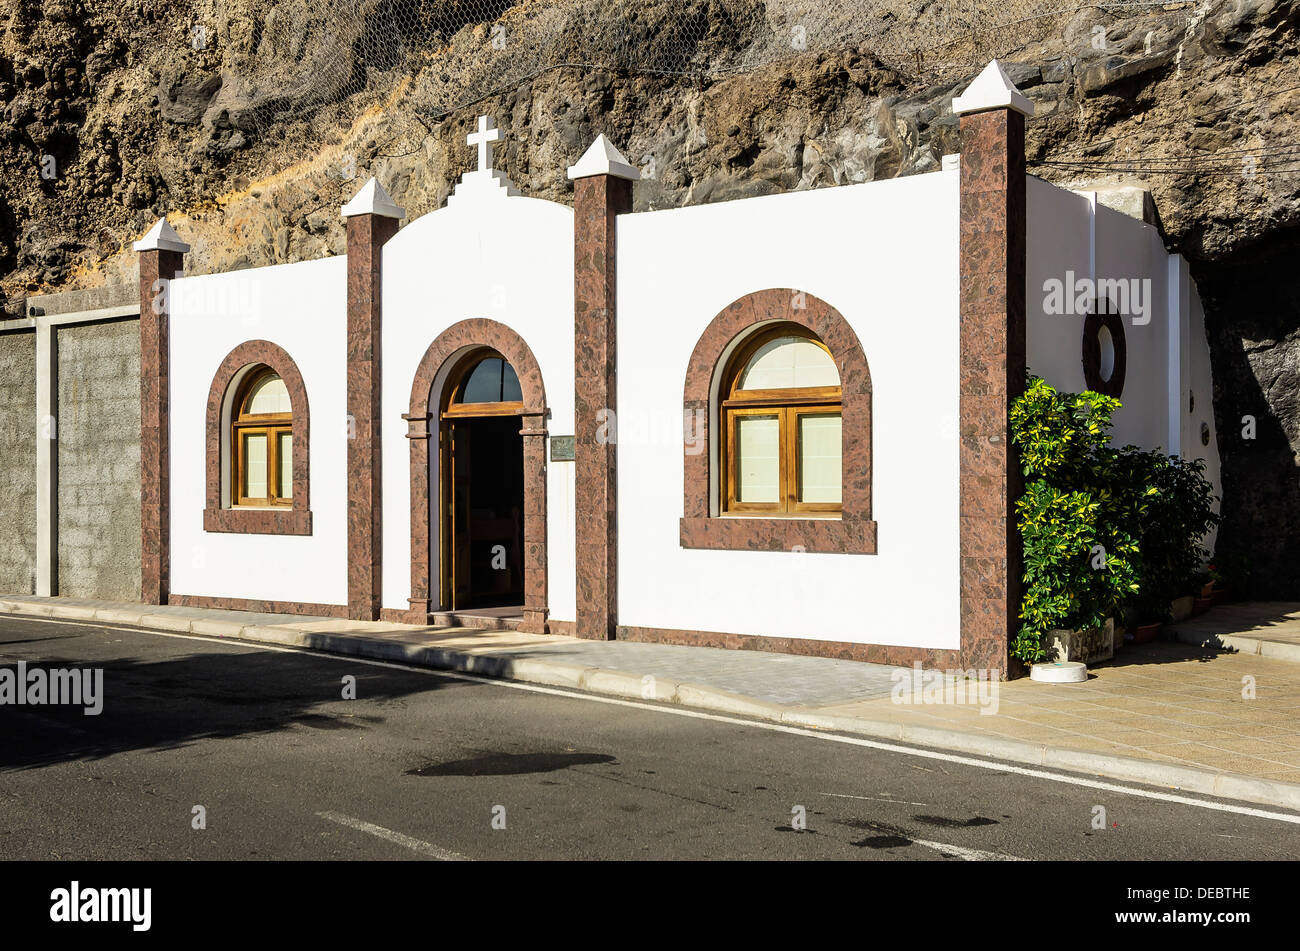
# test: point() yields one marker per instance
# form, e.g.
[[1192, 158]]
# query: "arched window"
[[788, 355], [262, 441], [781, 421], [257, 446], [487, 378]]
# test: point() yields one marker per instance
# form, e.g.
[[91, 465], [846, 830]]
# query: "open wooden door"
[[481, 485]]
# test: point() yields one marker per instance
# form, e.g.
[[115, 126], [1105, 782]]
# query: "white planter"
[[1087, 647], [1059, 672]]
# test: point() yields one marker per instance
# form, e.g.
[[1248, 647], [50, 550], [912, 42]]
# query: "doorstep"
[[484, 619], [1163, 714]]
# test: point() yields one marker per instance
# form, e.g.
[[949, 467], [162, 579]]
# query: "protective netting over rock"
[[452, 53]]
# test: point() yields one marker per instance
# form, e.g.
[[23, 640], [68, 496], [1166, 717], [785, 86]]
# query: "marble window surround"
[[218, 517], [853, 531]]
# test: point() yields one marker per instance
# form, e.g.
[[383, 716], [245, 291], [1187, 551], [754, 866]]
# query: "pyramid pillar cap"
[[601, 158], [161, 237], [992, 89], [372, 200]]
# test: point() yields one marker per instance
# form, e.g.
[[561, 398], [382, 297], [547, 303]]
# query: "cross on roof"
[[487, 134]]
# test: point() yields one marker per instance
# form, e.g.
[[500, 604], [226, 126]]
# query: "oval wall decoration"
[[1113, 385]]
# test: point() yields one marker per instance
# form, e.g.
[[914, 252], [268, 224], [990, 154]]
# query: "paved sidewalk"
[[1168, 714]]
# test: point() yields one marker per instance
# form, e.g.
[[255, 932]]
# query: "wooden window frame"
[[271, 425], [787, 405], [452, 407], [703, 524], [221, 513], [239, 477]]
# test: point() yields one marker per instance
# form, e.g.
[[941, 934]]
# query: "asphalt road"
[[420, 765]]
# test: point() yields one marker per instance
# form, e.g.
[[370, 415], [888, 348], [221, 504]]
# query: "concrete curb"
[[1277, 650], [622, 684]]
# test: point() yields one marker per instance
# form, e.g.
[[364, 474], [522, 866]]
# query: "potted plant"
[[1151, 613], [1179, 512], [1107, 532], [1182, 607], [1145, 633], [1079, 550], [1221, 571]]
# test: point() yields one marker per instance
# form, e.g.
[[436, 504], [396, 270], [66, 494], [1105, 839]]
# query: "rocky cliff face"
[[250, 124]]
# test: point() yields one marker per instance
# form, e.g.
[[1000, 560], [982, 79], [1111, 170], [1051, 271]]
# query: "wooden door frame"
[[446, 504], [446, 580], [448, 415], [452, 344]]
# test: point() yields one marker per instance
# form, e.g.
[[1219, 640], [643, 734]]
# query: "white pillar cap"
[[161, 237], [601, 158], [992, 89], [372, 200]]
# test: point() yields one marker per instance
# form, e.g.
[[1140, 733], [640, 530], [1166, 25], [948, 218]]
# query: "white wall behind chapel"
[[1168, 354]]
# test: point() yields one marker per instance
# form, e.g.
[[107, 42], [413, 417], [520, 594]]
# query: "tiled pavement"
[[782, 679], [1161, 703]]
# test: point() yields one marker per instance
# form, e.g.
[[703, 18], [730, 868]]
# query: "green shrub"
[[1180, 512], [1071, 505], [1068, 582], [1146, 511]]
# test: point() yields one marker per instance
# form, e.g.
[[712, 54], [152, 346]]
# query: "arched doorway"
[[447, 368], [481, 481]]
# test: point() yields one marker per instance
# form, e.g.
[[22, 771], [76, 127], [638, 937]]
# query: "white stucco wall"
[[1168, 356], [1061, 243], [1129, 249], [1201, 384], [486, 256], [1059, 240], [886, 256], [302, 308]]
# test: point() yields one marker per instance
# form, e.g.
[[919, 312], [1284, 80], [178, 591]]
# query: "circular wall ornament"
[[1101, 354]]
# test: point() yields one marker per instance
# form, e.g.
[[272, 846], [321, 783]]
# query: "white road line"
[[901, 802], [415, 845], [993, 765], [968, 855]]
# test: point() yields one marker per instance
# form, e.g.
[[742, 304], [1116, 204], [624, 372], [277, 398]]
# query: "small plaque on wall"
[[561, 449]]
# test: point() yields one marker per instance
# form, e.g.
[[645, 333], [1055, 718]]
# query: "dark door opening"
[[485, 455]]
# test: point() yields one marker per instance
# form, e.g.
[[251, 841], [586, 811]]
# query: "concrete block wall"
[[18, 461], [98, 460]]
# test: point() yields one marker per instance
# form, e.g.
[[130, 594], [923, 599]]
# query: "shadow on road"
[[214, 692]]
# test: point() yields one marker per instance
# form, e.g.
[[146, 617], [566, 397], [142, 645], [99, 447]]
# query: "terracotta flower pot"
[[1181, 608], [1147, 632], [1201, 605]]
